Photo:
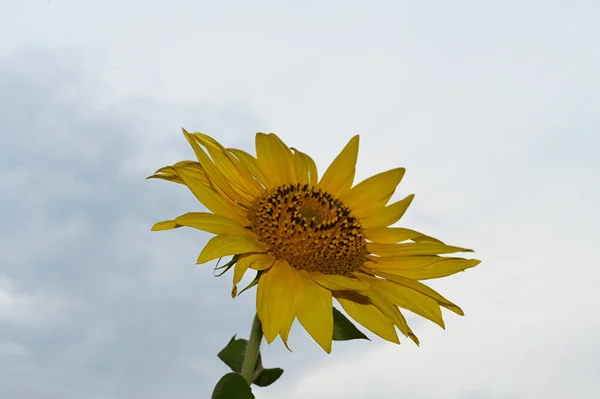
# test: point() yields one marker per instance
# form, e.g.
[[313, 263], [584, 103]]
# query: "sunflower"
[[313, 239]]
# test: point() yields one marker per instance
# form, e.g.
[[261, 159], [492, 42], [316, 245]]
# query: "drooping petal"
[[392, 235], [364, 312], [338, 178], [225, 245], [388, 215], [373, 193], [277, 289], [336, 282], [274, 159], [423, 289], [410, 249], [315, 313]]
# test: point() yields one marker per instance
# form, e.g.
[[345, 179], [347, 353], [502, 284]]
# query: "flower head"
[[313, 239]]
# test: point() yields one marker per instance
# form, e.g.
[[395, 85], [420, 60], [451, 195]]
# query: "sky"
[[492, 107]]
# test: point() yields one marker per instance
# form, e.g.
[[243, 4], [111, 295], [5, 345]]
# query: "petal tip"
[[286, 345], [201, 259], [458, 310], [414, 339]]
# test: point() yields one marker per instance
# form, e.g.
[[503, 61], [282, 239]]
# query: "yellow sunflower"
[[313, 239]]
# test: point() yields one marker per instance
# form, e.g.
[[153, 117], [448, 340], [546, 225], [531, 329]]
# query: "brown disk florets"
[[308, 228]]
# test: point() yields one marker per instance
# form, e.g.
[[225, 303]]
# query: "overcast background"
[[494, 109]]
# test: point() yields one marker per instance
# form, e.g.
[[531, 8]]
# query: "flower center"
[[308, 228]]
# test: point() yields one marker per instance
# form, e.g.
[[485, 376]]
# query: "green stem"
[[251, 356]]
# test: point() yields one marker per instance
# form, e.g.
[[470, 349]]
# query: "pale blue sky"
[[494, 109]]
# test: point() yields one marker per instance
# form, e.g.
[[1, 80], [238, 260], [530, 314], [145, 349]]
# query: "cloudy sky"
[[494, 109]]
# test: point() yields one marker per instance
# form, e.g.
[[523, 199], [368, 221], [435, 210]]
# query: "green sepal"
[[226, 266], [233, 356], [344, 329], [232, 386], [252, 283]]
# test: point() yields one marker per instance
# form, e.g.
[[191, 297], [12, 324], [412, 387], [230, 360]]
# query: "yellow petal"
[[261, 261], [250, 260], [223, 245], [166, 173], [274, 159], [170, 173], [165, 225], [208, 222], [277, 289], [423, 289], [236, 175], [409, 299], [313, 175], [250, 163], [338, 178], [441, 267], [391, 311], [336, 282], [364, 312], [193, 170], [392, 235], [315, 313], [258, 261], [388, 215], [388, 265], [300, 167], [373, 193], [291, 316], [238, 273], [416, 248], [210, 198], [218, 180]]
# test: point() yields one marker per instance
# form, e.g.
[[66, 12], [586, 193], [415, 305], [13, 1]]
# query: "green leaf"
[[344, 329], [232, 386], [233, 354], [266, 377]]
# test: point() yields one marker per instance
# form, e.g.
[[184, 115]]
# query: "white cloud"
[[29, 307], [10, 349], [48, 236]]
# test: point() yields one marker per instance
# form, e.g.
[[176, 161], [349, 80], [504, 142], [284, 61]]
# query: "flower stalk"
[[252, 350]]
